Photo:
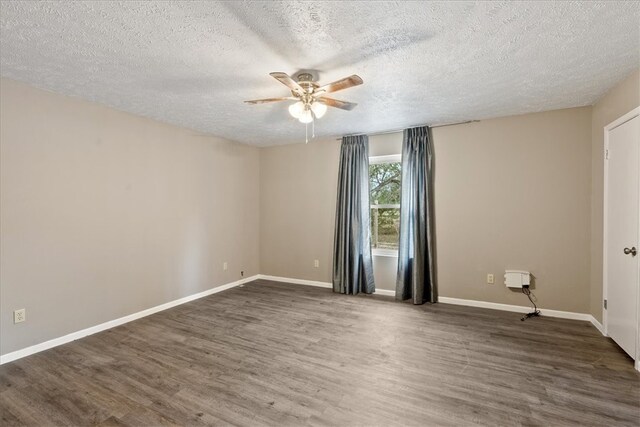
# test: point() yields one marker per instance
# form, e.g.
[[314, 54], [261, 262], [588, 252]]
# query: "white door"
[[623, 223]]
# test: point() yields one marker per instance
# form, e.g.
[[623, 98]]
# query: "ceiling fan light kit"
[[296, 109], [319, 109], [311, 104], [306, 116]]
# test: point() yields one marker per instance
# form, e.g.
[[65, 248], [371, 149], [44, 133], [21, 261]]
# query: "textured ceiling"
[[193, 63]]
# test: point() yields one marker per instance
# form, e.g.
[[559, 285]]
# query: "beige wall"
[[511, 193], [297, 208], [105, 213], [621, 99], [514, 193]]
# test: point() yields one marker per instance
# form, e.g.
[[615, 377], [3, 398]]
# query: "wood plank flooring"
[[278, 354]]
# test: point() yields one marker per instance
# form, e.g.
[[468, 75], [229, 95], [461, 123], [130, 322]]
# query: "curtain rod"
[[400, 130]]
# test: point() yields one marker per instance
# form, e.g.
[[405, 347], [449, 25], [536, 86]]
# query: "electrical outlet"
[[19, 315], [316, 263], [490, 279], [225, 266]]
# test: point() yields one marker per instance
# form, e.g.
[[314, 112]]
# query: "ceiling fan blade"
[[286, 80], [344, 105], [266, 100], [341, 84]]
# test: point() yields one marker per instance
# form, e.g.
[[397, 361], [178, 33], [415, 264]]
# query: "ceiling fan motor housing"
[[306, 81]]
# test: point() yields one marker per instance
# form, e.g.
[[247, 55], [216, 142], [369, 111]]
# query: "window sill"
[[385, 252]]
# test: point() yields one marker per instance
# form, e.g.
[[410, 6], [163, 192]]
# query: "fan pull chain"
[[313, 127], [306, 133]]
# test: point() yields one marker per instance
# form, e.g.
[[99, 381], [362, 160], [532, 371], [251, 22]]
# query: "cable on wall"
[[535, 312]]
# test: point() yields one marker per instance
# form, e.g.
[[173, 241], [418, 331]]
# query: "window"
[[384, 184]]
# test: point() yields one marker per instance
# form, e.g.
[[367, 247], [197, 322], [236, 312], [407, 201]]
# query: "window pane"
[[384, 180], [385, 227]]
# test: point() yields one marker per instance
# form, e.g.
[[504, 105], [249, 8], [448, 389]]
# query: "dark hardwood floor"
[[277, 354]]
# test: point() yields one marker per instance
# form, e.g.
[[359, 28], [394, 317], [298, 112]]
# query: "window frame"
[[376, 160]]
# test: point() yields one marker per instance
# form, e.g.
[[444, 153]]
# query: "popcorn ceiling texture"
[[193, 63]]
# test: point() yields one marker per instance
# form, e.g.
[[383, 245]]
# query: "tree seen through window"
[[385, 184]]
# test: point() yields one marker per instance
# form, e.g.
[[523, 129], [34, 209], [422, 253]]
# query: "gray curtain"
[[352, 264], [416, 275]]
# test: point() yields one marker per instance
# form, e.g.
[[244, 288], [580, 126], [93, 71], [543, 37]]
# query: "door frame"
[[608, 128]]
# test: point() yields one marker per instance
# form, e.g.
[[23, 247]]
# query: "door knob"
[[631, 251]]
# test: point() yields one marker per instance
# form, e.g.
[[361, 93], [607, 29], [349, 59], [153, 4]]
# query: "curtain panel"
[[416, 266], [352, 262]]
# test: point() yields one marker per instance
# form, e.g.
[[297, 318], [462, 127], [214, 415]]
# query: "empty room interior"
[[315, 213]]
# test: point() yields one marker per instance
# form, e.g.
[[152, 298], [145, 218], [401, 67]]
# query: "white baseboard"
[[296, 281], [315, 283], [516, 308], [597, 325], [18, 354], [385, 292]]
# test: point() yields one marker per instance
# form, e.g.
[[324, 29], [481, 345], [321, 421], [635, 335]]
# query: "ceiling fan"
[[310, 96]]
